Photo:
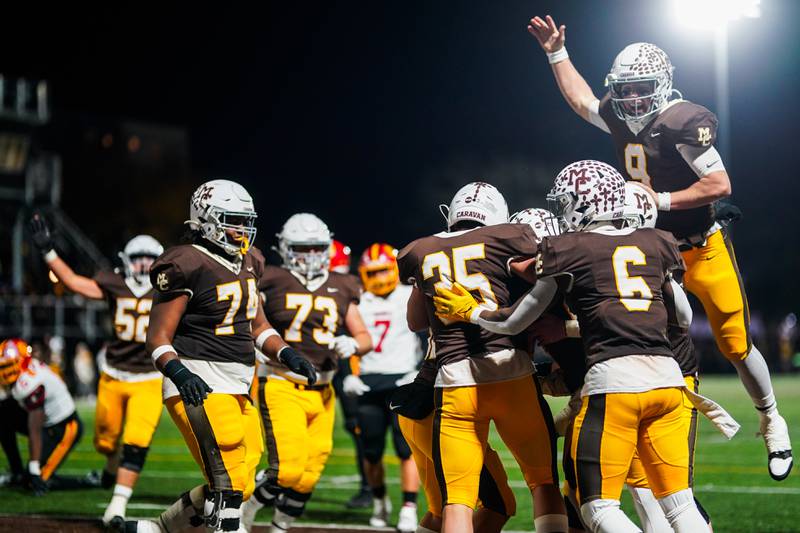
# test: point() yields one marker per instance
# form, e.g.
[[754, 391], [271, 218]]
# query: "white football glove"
[[353, 386], [406, 379], [344, 345]]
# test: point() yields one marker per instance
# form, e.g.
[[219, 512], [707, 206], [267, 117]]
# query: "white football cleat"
[[381, 509], [407, 518], [779, 446]]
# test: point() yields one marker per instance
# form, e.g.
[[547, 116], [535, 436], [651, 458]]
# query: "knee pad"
[[222, 509], [293, 503], [133, 457]]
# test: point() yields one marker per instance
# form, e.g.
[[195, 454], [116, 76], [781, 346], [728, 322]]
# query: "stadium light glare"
[[713, 14]]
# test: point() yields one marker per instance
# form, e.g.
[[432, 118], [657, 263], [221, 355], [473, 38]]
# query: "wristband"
[[34, 469], [664, 201], [263, 336], [161, 350], [572, 329], [50, 256], [558, 56]]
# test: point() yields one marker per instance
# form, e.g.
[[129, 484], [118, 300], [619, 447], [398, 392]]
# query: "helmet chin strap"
[[244, 244], [445, 211]]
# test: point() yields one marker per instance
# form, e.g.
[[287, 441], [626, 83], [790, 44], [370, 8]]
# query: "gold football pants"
[[130, 408], [713, 276], [610, 428], [298, 429], [494, 493], [637, 477], [461, 432], [224, 436]]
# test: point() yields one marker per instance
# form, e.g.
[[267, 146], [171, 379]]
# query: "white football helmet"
[[222, 211], [640, 81], [304, 245], [640, 206], [138, 255], [542, 221], [477, 201], [586, 192]]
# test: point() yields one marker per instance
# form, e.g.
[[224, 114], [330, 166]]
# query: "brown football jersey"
[[308, 320], [131, 315], [652, 158], [616, 288], [223, 301], [477, 259]]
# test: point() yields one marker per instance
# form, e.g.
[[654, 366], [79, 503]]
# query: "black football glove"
[[192, 388], [298, 364], [37, 485], [40, 233], [726, 213]]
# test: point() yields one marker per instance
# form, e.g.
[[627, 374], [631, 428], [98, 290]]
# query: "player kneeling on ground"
[[53, 426]]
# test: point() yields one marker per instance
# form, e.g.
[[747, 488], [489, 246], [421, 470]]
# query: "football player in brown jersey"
[[556, 334], [632, 396], [129, 389], [481, 376], [205, 317], [309, 305], [413, 404], [668, 145]]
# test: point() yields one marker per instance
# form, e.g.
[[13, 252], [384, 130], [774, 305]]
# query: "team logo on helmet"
[[586, 192], [477, 201], [222, 212], [640, 206]]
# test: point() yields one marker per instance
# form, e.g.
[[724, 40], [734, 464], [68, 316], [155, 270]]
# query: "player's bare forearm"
[[708, 189], [416, 314], [82, 285], [524, 268], [573, 87], [165, 316], [35, 425], [358, 330]]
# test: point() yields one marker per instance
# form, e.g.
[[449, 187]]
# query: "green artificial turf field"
[[731, 477]]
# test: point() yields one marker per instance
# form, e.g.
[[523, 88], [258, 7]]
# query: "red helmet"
[[378, 269], [15, 355], [340, 257]]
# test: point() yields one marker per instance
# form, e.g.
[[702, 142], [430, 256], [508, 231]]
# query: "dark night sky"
[[372, 113]]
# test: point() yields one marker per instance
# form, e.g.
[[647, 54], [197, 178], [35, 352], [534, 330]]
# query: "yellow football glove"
[[454, 304]]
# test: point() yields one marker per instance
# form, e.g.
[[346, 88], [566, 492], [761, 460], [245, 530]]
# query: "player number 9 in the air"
[[636, 163]]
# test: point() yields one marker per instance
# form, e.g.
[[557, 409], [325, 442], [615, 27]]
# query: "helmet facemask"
[[308, 260], [233, 231], [378, 269], [640, 82]]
